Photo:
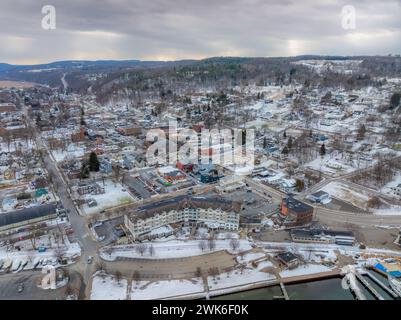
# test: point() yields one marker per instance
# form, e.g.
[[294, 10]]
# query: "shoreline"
[[257, 285]]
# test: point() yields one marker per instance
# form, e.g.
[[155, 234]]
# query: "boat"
[[395, 284]]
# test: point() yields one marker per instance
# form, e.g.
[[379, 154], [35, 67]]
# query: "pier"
[[354, 286], [283, 289], [368, 285], [381, 284]]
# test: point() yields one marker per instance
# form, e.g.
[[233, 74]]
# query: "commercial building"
[[323, 236], [319, 197], [295, 213], [19, 218], [288, 259], [213, 212]]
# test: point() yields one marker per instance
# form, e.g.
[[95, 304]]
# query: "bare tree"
[[234, 244], [141, 248], [214, 271], [211, 244], [198, 272], [70, 292], [33, 239], [136, 276], [202, 245], [118, 276], [151, 250], [100, 266]]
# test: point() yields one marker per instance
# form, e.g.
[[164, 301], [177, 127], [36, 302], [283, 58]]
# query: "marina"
[[328, 288]]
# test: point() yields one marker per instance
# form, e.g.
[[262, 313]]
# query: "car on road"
[[89, 259], [20, 288]]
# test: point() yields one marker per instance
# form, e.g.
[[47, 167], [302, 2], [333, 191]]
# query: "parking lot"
[[253, 204], [10, 282], [106, 230]]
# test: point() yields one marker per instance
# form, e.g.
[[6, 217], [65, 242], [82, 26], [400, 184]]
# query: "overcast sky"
[[194, 29]]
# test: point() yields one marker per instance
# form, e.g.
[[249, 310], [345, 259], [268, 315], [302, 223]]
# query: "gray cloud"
[[177, 29]]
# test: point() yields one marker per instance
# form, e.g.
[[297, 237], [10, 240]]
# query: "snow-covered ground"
[[72, 152], [304, 270], [250, 257], [390, 187], [358, 198], [235, 278], [264, 264], [347, 250], [113, 196], [145, 290], [172, 249], [332, 165], [106, 287]]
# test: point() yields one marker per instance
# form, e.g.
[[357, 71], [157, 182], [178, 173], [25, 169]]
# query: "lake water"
[[328, 289]]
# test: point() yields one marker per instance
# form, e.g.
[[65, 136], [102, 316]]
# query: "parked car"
[[20, 288], [89, 259]]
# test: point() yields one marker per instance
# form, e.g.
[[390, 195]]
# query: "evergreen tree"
[[285, 134], [289, 143], [299, 185], [93, 162], [285, 150], [323, 150]]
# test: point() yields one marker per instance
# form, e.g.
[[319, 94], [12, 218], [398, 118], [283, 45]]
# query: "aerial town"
[[223, 175], [86, 213]]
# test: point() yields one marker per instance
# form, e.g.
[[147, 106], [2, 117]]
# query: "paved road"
[[78, 223], [9, 286]]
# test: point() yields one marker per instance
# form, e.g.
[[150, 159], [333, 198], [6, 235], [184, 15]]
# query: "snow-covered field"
[[72, 152], [106, 287], [331, 166], [113, 196], [358, 198], [304, 270], [172, 249], [145, 290], [250, 257], [248, 276]]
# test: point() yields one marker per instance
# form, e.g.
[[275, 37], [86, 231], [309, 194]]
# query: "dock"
[[312, 277], [284, 290], [368, 285], [382, 285], [354, 286]]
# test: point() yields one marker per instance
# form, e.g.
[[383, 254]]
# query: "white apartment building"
[[216, 213]]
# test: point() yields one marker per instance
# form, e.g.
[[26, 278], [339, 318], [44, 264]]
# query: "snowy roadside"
[[170, 249]]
